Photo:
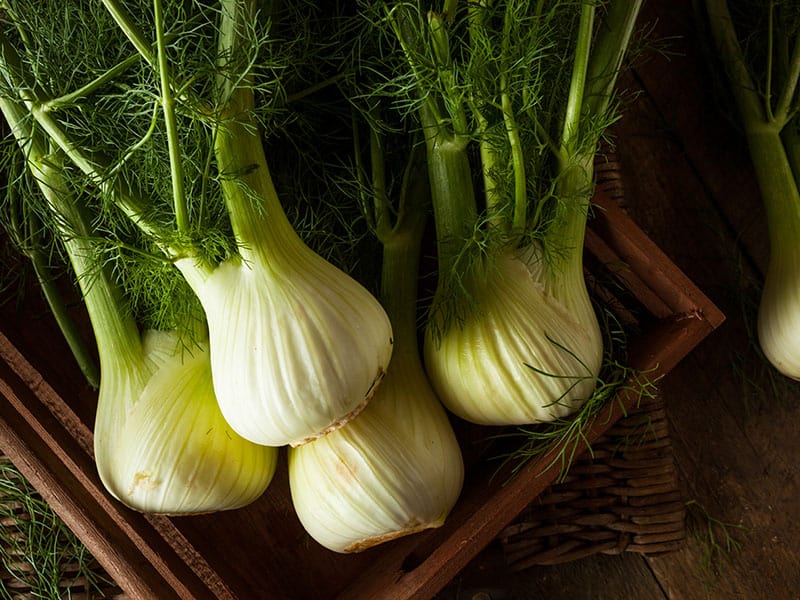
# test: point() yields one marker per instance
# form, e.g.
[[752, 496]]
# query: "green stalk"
[[131, 203], [519, 218], [570, 133], [451, 97], [402, 248], [449, 9], [778, 187], [115, 331], [256, 214], [449, 171], [772, 164], [595, 72], [488, 155], [168, 106], [23, 229], [575, 170], [131, 30], [745, 92], [66, 324], [89, 88], [565, 239], [381, 220], [406, 30], [610, 47], [453, 197], [400, 266], [770, 55]]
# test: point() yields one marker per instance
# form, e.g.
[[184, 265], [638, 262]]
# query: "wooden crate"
[[261, 551]]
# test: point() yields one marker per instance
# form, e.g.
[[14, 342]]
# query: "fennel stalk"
[[489, 80]]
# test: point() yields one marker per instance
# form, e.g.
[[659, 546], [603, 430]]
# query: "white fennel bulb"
[[527, 352], [297, 346], [161, 442], [394, 470]]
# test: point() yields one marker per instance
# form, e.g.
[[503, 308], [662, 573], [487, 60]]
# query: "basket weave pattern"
[[621, 496]]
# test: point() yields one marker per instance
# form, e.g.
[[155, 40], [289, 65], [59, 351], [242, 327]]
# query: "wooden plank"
[[599, 577], [737, 484], [639, 259]]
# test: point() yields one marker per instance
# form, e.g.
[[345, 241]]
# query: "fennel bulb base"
[[377, 540], [779, 313], [162, 445], [394, 470], [345, 419]]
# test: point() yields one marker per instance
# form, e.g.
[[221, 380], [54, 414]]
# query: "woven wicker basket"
[[624, 497], [68, 573]]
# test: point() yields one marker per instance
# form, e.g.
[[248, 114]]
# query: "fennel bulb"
[[392, 471], [297, 346], [512, 337], [778, 323], [161, 442], [779, 310], [523, 354]]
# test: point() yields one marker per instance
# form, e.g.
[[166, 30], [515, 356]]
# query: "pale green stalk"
[[519, 219], [115, 330], [89, 88], [762, 128], [449, 169], [402, 249], [258, 219], [574, 114], [168, 106], [594, 74], [131, 30], [23, 230]]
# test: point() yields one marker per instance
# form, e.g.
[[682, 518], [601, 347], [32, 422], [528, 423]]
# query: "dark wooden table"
[[735, 424]]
